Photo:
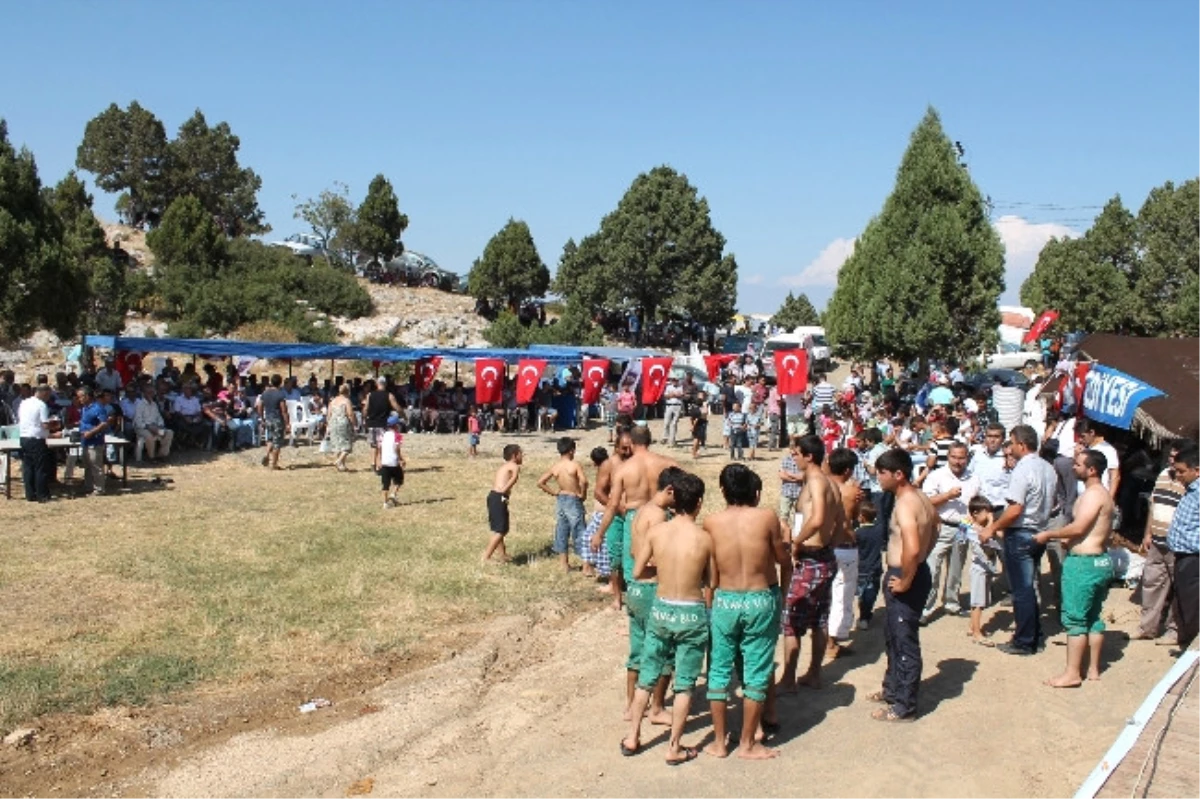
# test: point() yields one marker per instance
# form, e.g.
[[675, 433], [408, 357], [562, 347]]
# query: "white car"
[[306, 245], [1010, 356]]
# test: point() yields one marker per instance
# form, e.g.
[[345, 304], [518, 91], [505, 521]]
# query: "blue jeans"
[[1023, 562], [568, 524]]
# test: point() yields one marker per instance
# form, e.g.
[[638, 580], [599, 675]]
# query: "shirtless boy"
[[811, 589], [1086, 571], [912, 533], [751, 562], [841, 463], [639, 596], [633, 483], [497, 502], [570, 491], [677, 631], [622, 450]]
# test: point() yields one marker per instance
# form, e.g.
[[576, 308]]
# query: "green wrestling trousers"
[[676, 633], [745, 626]]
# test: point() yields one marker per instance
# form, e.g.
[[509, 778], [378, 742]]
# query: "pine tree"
[[510, 271], [926, 274], [378, 223], [796, 312]]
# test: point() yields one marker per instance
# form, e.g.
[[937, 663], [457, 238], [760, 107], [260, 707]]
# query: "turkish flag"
[[791, 371], [426, 371], [595, 375], [1040, 326], [713, 364], [128, 365], [529, 374], [489, 379], [654, 378]]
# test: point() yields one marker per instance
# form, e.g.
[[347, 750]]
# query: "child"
[[596, 564], [736, 420], [473, 429], [570, 489], [497, 502], [699, 429], [754, 420], [391, 461], [870, 536], [983, 566]]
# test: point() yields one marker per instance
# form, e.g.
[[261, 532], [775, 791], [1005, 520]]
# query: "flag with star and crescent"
[[489, 380], [425, 371], [791, 371], [654, 378], [595, 374], [529, 374]]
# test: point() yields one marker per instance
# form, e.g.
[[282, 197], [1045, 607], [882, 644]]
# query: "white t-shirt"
[[1106, 449], [387, 448], [941, 480], [32, 417]]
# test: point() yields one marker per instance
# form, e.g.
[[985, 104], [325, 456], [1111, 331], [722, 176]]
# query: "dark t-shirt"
[[378, 407], [270, 403]]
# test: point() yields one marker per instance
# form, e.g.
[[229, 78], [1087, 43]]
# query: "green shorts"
[[627, 544], [676, 633], [1085, 580], [744, 623], [639, 597], [614, 540]]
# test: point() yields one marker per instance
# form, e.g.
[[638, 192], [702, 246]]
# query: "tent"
[[1171, 365]]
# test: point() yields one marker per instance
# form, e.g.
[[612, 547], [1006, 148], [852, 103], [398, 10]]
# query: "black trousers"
[[1186, 581], [902, 636], [36, 463]]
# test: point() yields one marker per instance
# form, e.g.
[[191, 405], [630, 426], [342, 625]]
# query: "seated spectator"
[[190, 423], [151, 430]]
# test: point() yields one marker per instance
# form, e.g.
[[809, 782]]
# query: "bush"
[[265, 331]]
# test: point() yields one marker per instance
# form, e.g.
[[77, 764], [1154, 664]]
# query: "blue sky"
[[790, 117]]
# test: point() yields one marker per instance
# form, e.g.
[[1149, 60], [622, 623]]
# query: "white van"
[[809, 339]]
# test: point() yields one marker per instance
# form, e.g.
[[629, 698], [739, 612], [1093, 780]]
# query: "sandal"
[[877, 697], [627, 751], [689, 754], [887, 714]]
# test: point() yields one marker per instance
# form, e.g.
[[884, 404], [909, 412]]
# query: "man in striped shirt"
[[823, 393], [1157, 596]]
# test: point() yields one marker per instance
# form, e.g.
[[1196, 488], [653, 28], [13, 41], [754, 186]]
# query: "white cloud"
[[1023, 242], [753, 280], [823, 270]]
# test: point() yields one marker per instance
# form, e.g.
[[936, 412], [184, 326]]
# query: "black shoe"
[[1013, 649]]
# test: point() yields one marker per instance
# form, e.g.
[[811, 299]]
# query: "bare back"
[[683, 553], [648, 516], [851, 495], [1093, 510], [820, 505], [912, 508], [569, 477], [604, 480], [747, 548], [637, 478], [506, 478]]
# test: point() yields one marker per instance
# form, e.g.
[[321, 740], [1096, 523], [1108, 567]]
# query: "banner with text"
[[1111, 397]]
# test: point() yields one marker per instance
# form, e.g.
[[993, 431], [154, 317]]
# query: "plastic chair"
[[302, 423]]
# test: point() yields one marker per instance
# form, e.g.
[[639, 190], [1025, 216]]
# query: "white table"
[[11, 445]]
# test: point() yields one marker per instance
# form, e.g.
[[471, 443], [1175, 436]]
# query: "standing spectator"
[[754, 420], [341, 427], [93, 425], [792, 480], [378, 405], [738, 436], [823, 392], [1158, 599], [773, 417], [673, 399], [1183, 539], [1091, 436], [951, 489], [987, 463], [272, 406], [33, 417], [1030, 498]]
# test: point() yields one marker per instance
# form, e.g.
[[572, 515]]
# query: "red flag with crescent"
[[489, 380], [529, 374], [426, 371], [791, 371], [128, 365], [713, 364], [654, 378], [1040, 326], [595, 375]]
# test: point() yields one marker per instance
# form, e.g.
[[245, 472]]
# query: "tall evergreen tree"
[[203, 162], [1089, 293], [510, 270], [1165, 286], [796, 312], [926, 274], [127, 151], [378, 223]]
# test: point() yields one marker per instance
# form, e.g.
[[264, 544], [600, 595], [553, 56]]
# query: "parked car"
[[410, 268], [975, 382], [1012, 356], [306, 245]]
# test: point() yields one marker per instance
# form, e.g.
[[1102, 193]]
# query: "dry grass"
[[233, 574]]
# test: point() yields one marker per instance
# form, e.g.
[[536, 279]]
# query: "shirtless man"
[[622, 451], [497, 502], [841, 463], [677, 630], [572, 486], [751, 561], [1087, 570], [819, 515], [912, 533], [641, 592]]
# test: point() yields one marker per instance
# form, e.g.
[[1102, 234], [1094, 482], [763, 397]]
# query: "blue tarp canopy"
[[214, 348]]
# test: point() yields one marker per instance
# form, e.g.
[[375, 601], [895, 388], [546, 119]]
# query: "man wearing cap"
[[673, 397], [33, 417]]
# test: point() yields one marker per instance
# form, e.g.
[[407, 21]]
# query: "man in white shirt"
[[950, 488], [37, 465], [109, 378], [673, 398], [151, 431], [189, 416], [1092, 437]]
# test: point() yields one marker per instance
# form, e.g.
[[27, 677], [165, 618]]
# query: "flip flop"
[[877, 697], [886, 714], [626, 751], [984, 642], [689, 754]]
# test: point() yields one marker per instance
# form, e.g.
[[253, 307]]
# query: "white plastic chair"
[[303, 424]]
